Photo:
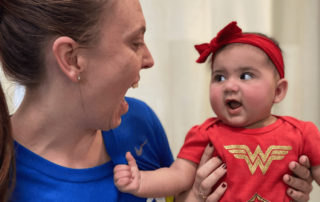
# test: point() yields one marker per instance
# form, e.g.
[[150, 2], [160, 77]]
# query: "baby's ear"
[[281, 90]]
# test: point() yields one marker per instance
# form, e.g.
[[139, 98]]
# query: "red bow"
[[233, 34], [226, 34]]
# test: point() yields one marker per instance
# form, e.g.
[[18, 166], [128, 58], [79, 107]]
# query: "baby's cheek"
[[216, 101], [259, 99], [215, 96]]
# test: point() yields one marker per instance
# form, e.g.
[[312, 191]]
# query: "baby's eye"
[[246, 76], [219, 78]]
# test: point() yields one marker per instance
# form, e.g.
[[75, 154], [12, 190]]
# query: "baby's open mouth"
[[234, 104]]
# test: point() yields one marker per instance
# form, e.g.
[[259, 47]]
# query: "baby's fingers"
[[122, 174], [123, 183], [121, 167], [131, 160]]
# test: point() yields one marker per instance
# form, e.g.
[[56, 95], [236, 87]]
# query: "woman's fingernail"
[[210, 144], [224, 166], [289, 179], [224, 185]]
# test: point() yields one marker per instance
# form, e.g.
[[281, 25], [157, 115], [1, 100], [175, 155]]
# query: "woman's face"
[[113, 65]]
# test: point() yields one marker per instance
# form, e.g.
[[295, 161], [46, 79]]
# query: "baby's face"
[[243, 86]]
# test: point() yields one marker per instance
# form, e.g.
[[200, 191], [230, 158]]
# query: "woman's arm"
[[300, 185], [209, 172], [155, 184]]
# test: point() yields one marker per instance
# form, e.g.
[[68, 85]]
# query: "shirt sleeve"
[[194, 144], [311, 138]]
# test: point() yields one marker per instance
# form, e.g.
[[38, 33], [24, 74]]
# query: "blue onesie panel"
[[140, 132]]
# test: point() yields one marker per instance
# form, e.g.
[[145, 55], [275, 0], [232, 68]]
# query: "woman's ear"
[[281, 90], [64, 50]]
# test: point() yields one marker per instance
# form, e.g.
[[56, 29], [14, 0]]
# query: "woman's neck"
[[57, 134]]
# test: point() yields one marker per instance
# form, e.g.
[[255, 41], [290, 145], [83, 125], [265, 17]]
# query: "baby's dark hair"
[[7, 162], [256, 33], [27, 26]]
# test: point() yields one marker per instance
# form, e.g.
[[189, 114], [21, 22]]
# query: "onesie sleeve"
[[194, 144], [311, 138]]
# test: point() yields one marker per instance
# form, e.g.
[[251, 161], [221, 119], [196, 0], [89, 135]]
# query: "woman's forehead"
[[126, 17]]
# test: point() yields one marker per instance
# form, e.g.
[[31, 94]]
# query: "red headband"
[[233, 34]]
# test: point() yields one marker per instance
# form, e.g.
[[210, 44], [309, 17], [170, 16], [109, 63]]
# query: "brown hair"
[[256, 33], [7, 163], [27, 25], [276, 73]]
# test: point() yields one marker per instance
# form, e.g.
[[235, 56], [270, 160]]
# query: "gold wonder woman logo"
[[256, 197], [258, 158]]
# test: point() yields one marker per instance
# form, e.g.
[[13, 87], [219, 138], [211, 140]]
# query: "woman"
[[6, 151], [77, 59]]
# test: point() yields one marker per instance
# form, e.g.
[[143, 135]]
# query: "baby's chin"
[[237, 124]]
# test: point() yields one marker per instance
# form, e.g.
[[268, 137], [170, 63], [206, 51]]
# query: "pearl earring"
[[79, 78]]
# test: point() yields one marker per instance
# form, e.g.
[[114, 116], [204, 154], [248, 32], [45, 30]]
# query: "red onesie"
[[257, 159]]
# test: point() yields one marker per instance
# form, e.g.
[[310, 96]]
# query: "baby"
[[247, 79]]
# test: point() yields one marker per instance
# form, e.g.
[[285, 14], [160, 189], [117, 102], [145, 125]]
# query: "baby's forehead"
[[242, 49], [252, 52]]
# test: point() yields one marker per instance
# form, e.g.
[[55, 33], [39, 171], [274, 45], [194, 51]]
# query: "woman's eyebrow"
[[140, 30]]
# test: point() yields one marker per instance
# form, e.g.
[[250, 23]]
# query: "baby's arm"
[[159, 183], [315, 170]]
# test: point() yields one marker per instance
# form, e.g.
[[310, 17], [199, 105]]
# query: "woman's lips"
[[125, 106]]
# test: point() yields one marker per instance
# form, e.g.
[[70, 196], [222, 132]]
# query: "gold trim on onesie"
[[259, 198], [258, 158]]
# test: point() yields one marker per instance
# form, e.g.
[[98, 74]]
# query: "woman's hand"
[[301, 185], [210, 170]]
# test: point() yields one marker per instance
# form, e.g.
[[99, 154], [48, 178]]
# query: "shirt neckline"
[[42, 165], [255, 131]]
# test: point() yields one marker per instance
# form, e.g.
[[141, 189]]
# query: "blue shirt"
[[140, 132]]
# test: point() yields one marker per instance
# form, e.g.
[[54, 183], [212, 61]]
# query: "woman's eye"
[[136, 46], [246, 76], [219, 78]]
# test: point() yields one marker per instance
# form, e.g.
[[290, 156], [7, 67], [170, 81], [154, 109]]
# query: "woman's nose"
[[147, 60]]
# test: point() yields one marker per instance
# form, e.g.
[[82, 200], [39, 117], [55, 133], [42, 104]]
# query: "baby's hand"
[[127, 177]]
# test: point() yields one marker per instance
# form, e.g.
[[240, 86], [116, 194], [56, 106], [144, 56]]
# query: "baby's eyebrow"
[[221, 71], [247, 68]]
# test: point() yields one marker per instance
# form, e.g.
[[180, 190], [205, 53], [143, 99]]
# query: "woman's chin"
[[123, 109]]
